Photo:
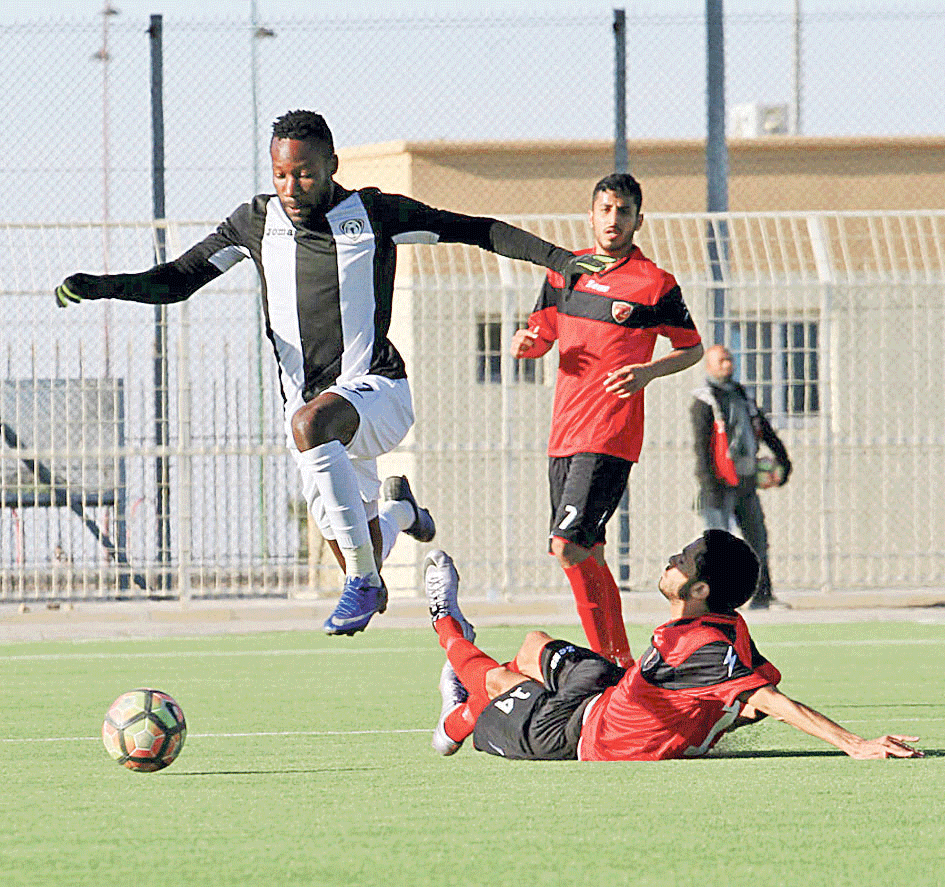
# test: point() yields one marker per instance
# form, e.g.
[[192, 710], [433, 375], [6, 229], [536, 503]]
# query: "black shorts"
[[585, 491], [542, 722]]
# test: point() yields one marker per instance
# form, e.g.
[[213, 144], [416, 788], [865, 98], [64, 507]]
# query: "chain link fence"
[[835, 318], [76, 178], [81, 90]]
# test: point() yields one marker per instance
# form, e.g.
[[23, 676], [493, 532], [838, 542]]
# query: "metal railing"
[[836, 320]]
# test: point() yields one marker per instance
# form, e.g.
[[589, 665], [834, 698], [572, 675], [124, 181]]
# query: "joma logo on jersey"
[[352, 228], [598, 287], [621, 311], [280, 232]]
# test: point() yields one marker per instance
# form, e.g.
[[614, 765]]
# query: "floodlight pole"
[[716, 161], [620, 91], [161, 379], [621, 164]]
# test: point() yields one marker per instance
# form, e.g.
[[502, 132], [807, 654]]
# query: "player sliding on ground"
[[326, 258], [701, 677]]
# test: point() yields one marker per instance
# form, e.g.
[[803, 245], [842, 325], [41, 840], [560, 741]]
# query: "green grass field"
[[308, 762]]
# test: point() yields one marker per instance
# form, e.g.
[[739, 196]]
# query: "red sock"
[[618, 647], [586, 587], [469, 662], [461, 721]]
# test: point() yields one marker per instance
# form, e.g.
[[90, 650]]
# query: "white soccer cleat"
[[454, 695], [441, 583]]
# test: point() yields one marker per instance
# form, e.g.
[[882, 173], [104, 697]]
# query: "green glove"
[[586, 264], [75, 289]]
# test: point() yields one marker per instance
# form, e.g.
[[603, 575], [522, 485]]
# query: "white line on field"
[[235, 735], [861, 642], [172, 654]]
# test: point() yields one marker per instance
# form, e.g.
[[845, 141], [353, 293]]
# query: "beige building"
[[832, 296], [773, 173]]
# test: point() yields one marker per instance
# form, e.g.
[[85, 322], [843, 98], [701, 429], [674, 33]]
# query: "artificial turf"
[[308, 762]]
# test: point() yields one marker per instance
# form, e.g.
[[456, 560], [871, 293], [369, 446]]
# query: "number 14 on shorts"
[[506, 705]]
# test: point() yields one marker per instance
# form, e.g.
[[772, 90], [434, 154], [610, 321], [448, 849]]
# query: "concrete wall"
[[773, 173]]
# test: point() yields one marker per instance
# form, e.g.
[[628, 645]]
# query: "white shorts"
[[385, 408]]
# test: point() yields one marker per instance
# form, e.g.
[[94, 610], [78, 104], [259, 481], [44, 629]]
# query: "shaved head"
[[718, 363]]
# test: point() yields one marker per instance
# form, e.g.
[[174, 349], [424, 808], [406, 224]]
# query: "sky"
[[19, 10], [535, 75]]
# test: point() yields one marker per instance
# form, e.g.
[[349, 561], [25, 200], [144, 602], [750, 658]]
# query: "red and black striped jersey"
[[607, 321], [680, 697]]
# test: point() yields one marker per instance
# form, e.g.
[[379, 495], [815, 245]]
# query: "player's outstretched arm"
[[162, 284], [773, 702]]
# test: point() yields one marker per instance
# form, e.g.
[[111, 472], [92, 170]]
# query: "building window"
[[779, 364], [490, 345]]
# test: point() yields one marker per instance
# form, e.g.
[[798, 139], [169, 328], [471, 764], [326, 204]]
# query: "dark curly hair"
[[304, 126], [620, 183], [730, 568]]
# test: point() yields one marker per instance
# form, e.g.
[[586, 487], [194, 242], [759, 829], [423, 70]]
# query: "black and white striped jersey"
[[327, 287]]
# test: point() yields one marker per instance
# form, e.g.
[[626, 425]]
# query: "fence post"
[[620, 91], [161, 423], [716, 161]]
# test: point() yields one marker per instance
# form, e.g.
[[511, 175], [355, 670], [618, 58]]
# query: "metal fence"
[[183, 484], [836, 319], [81, 88]]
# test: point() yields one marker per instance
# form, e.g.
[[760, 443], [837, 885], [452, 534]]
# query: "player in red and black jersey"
[[701, 677], [606, 326]]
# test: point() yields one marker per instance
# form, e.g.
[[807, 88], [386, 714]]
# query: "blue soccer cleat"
[[358, 603]]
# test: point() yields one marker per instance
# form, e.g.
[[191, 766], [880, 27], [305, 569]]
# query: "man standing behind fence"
[[606, 325], [727, 426], [326, 257]]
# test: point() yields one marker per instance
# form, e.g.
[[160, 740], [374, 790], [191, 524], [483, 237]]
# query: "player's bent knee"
[[537, 639], [529, 653], [568, 553], [322, 420]]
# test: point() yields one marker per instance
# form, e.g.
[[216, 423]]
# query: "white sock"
[[394, 516], [327, 469], [360, 562]]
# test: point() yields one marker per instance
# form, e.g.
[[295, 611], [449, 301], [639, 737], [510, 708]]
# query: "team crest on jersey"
[[352, 228], [621, 311]]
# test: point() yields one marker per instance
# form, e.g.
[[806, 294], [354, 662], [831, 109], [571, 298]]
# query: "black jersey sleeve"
[[177, 280], [413, 222]]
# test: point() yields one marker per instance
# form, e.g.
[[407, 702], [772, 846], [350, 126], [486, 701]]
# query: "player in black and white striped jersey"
[[326, 257]]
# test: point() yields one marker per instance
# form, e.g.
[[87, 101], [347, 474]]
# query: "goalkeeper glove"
[[76, 289], [585, 264]]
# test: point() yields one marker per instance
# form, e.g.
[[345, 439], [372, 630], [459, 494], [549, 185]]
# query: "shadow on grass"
[[797, 753]]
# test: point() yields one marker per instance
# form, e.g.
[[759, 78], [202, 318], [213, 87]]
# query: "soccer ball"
[[144, 730], [769, 473]]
